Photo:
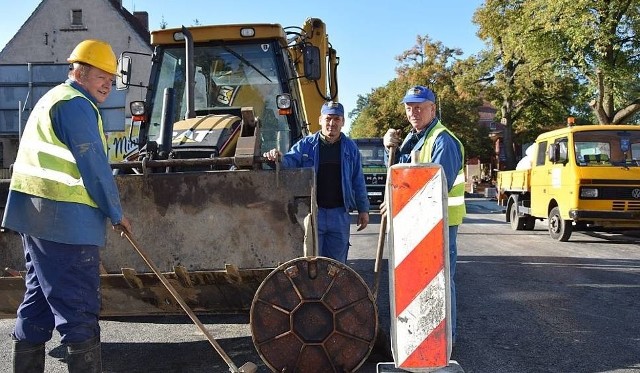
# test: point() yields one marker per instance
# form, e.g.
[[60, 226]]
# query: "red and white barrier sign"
[[417, 238]]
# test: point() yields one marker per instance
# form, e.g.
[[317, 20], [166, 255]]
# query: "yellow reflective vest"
[[44, 166], [455, 206]]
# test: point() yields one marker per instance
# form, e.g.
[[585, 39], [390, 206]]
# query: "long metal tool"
[[383, 231], [248, 367]]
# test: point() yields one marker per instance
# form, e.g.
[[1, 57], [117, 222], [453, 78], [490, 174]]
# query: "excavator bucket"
[[215, 235]]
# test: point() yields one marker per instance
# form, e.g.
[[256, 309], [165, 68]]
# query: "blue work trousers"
[[453, 256], [63, 292], [333, 233]]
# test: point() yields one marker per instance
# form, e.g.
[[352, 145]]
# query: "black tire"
[[517, 222], [529, 223], [559, 229]]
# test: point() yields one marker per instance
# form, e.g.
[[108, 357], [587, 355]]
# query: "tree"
[[529, 93], [378, 111], [163, 23], [427, 63], [596, 39]]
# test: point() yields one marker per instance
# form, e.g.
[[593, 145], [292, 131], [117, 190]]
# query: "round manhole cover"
[[313, 314]]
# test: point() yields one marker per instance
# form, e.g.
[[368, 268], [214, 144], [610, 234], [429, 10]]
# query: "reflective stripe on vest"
[[455, 206], [45, 167]]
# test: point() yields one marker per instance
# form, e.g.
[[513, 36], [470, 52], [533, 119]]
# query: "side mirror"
[[558, 152], [123, 79], [553, 152], [311, 62]]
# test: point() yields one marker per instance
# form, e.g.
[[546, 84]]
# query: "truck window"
[[635, 152], [375, 171], [620, 148], [372, 154], [592, 152], [227, 76], [542, 153]]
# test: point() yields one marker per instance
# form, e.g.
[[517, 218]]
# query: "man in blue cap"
[[432, 142], [340, 185]]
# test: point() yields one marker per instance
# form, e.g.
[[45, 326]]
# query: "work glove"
[[391, 138]]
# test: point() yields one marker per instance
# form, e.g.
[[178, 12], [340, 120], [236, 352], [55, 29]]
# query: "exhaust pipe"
[[166, 124]]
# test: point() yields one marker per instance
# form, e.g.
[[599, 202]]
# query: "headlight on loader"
[[137, 108], [284, 104]]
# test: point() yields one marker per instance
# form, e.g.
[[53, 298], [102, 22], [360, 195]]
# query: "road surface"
[[526, 303]]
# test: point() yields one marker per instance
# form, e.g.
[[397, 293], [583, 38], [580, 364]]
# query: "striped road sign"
[[417, 238]]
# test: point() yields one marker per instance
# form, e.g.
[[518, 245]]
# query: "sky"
[[367, 35]]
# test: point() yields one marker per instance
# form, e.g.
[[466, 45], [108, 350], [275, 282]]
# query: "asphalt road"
[[525, 304]]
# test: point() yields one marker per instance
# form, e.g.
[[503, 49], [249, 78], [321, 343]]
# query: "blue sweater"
[[75, 123], [306, 153]]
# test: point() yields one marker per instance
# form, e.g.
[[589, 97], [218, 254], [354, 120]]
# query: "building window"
[[76, 17]]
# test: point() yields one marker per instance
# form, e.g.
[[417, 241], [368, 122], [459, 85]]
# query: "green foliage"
[[544, 60], [380, 113], [163, 23], [430, 64], [596, 41]]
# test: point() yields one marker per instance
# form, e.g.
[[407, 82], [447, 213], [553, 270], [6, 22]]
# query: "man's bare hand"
[[124, 226], [273, 155], [391, 138], [363, 220], [383, 208]]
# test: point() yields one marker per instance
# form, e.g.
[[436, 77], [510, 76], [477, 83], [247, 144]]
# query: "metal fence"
[[21, 85]]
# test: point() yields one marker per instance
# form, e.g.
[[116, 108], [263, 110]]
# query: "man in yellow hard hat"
[[61, 194]]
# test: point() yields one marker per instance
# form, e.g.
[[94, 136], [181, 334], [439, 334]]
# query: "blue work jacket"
[[306, 153]]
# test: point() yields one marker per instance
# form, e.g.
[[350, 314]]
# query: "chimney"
[[143, 18]]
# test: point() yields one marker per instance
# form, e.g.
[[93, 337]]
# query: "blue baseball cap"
[[332, 108], [419, 94]]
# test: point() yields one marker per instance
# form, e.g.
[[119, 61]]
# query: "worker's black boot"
[[27, 357], [84, 357]]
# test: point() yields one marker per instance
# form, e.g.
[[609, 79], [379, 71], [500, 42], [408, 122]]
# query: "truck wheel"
[[559, 229], [517, 222]]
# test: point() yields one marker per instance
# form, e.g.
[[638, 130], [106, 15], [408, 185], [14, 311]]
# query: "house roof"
[[133, 21]]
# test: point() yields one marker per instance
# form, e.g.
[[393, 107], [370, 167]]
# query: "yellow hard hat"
[[96, 53]]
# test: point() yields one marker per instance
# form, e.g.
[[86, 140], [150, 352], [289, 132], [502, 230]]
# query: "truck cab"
[[212, 73], [373, 167]]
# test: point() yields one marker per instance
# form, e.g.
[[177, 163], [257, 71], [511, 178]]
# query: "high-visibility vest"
[[456, 207], [44, 166]]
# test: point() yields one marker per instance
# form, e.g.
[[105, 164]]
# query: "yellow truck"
[[579, 177]]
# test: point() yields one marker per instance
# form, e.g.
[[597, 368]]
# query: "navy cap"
[[332, 108], [419, 94]]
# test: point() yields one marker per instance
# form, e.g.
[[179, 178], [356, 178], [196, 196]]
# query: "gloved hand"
[[391, 138]]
